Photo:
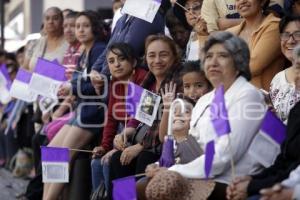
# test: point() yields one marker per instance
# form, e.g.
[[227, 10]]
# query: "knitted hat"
[[170, 185], [167, 185]]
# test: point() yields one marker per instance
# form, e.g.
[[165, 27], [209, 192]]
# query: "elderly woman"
[[52, 46], [226, 63], [282, 91], [260, 30]]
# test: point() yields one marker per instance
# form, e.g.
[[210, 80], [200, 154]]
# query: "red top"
[[116, 108]]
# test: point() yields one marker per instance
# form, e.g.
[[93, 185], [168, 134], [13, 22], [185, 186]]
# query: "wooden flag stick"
[[139, 175], [184, 8], [81, 150], [231, 158]]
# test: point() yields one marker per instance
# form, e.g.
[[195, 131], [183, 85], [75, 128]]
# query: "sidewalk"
[[10, 186]]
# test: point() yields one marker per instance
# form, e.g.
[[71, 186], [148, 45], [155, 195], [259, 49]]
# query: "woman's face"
[[83, 30], [120, 68], [194, 6], [159, 57], [296, 8], [249, 8], [289, 42], [219, 66], [53, 22]]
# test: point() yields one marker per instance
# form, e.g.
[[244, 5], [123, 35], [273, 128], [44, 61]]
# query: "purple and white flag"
[[142, 104], [124, 188], [209, 157], [142, 9], [55, 164], [266, 144], [4, 76], [219, 113], [20, 87], [47, 77], [5, 83]]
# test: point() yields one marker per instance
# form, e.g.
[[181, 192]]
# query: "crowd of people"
[[250, 48]]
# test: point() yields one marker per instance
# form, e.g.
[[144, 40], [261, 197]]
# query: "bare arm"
[[224, 23]]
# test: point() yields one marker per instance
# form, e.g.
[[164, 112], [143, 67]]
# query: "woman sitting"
[[226, 63], [123, 68], [86, 124], [163, 62]]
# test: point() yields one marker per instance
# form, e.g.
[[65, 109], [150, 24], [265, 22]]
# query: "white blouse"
[[246, 109], [283, 95]]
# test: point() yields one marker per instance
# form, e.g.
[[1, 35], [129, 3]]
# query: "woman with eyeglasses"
[[282, 91], [192, 17], [260, 30]]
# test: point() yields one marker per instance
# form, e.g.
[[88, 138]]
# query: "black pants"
[[137, 166], [219, 192], [37, 141]]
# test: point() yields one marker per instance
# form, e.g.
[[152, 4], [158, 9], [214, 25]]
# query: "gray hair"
[[236, 46]]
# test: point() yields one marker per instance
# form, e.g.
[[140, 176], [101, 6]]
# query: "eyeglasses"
[[286, 36], [194, 8]]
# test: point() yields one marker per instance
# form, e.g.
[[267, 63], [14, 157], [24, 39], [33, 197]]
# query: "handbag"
[[52, 128], [148, 137]]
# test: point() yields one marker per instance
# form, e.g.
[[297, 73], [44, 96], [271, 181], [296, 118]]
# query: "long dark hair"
[[96, 23]]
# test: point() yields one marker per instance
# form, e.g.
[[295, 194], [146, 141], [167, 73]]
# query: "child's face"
[[181, 121], [194, 85]]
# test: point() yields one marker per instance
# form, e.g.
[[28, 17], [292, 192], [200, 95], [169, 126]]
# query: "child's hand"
[[168, 95]]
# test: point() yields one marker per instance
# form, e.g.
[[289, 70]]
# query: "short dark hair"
[[237, 47], [123, 49], [193, 66], [71, 14], [286, 20]]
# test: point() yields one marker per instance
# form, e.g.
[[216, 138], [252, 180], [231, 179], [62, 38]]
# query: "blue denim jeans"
[[100, 173], [256, 197]]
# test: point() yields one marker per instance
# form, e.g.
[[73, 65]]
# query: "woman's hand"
[[130, 153], [201, 27], [105, 159], [119, 143], [237, 190], [64, 90], [168, 95], [277, 192], [98, 152], [97, 80]]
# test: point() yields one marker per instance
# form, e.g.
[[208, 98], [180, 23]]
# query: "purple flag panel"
[[23, 76], [209, 157], [133, 98], [273, 127], [219, 114], [55, 154], [167, 158], [124, 188], [50, 69], [4, 72]]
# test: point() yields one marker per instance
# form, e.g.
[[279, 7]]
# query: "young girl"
[[194, 85]]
